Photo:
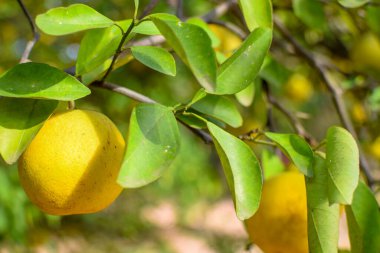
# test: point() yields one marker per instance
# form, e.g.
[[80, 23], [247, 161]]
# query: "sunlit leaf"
[[241, 69], [342, 157], [136, 8], [271, 164], [373, 18], [245, 97], [20, 120], [274, 73], [241, 169], [99, 71], [215, 41], [363, 218], [257, 13], [323, 218], [353, 3], [147, 28], [221, 108], [193, 46], [311, 13], [38, 80], [153, 142], [297, 149], [71, 19], [98, 45], [156, 58], [201, 93]]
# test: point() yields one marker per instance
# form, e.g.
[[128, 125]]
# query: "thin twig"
[[144, 99], [118, 50], [36, 36], [335, 91], [179, 10], [148, 41], [206, 137], [270, 124], [149, 8], [218, 11], [124, 91], [254, 140], [293, 120], [232, 27], [71, 105]]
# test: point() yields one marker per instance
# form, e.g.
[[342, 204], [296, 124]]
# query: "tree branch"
[[144, 99], [335, 91], [124, 91], [118, 50], [293, 120], [149, 8], [232, 27], [218, 11], [36, 36], [179, 10]]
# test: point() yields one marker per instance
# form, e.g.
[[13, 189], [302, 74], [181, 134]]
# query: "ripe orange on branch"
[[72, 164], [280, 224]]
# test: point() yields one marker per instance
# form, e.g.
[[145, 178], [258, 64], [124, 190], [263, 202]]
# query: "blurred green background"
[[189, 208]]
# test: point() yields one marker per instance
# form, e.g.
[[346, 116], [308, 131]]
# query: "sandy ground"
[[201, 231]]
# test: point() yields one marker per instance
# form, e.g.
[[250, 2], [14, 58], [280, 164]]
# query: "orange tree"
[[326, 45]]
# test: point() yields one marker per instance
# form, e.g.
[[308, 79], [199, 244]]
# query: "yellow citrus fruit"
[[72, 164], [366, 52], [280, 224], [229, 41], [375, 148], [359, 113], [299, 88]]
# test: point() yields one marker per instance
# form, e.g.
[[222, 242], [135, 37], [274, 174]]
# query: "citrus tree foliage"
[[31, 91]]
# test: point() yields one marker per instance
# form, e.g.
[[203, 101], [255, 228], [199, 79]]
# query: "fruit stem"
[[71, 105]]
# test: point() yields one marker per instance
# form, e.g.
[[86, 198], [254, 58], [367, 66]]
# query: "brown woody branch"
[[36, 35], [334, 90], [144, 99]]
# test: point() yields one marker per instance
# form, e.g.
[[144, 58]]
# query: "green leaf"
[[241, 69], [342, 157], [245, 96], [147, 28], [353, 3], [257, 13], [271, 164], [241, 169], [274, 73], [38, 80], [220, 108], [153, 142], [71, 19], [201, 93], [363, 219], [98, 45], [323, 218], [296, 149], [156, 58], [136, 8], [99, 71], [374, 99], [373, 18], [193, 46], [20, 120], [311, 13], [215, 41], [193, 120]]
